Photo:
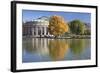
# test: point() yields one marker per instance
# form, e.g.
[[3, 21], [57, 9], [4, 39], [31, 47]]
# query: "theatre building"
[[36, 28]]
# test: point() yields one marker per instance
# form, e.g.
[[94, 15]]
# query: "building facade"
[[36, 28]]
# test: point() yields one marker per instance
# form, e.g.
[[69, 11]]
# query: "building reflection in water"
[[41, 45], [57, 49]]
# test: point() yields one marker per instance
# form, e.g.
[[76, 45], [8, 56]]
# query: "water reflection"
[[58, 49], [35, 45], [39, 50], [79, 47]]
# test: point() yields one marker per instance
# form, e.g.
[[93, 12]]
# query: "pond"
[[44, 49]]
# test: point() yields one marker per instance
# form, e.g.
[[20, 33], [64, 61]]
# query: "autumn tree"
[[57, 26], [77, 27]]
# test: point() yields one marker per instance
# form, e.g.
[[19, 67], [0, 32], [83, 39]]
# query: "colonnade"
[[40, 31]]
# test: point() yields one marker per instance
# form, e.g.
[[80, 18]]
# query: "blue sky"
[[28, 15]]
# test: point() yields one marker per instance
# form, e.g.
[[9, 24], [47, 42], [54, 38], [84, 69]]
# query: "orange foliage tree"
[[57, 26]]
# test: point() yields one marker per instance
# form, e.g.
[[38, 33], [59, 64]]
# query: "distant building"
[[36, 28]]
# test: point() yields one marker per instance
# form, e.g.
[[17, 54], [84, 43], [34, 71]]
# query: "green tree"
[[57, 25], [77, 27], [87, 32]]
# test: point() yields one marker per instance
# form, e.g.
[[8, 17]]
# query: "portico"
[[36, 28], [40, 31]]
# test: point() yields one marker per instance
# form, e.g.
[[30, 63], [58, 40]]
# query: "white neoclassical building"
[[36, 28]]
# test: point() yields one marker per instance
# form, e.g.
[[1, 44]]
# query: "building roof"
[[40, 21]]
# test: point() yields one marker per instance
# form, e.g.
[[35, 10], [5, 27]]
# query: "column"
[[45, 30], [36, 31], [32, 31], [41, 31]]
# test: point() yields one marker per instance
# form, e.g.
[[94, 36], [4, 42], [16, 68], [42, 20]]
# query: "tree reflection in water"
[[78, 46], [41, 49], [57, 49]]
